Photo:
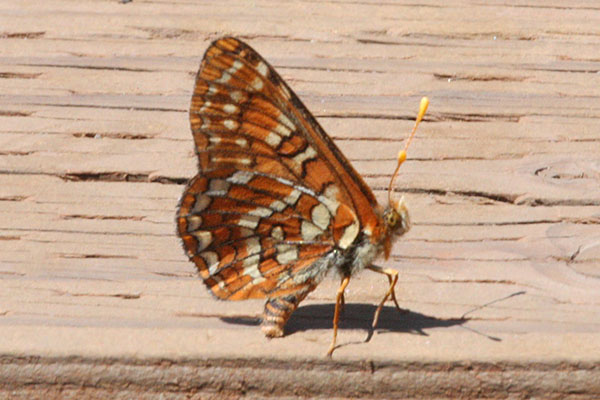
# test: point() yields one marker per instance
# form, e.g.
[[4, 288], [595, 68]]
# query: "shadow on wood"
[[356, 316]]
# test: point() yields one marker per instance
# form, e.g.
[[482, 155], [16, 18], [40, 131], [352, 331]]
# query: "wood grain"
[[503, 182]]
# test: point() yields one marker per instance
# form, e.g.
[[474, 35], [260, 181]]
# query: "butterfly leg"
[[342, 301], [392, 276], [278, 310], [336, 314]]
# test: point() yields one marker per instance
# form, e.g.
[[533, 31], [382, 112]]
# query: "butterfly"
[[275, 205]]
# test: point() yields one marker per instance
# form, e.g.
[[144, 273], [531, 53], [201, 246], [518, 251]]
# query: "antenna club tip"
[[423, 107], [401, 156]]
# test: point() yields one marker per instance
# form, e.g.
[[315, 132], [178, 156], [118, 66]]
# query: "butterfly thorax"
[[393, 222]]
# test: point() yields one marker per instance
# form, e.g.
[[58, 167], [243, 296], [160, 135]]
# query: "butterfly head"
[[396, 222], [396, 217]]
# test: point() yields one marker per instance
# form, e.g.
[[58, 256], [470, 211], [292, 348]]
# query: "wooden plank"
[[500, 271]]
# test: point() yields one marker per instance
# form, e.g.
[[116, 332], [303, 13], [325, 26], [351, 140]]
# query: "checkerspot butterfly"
[[276, 205]]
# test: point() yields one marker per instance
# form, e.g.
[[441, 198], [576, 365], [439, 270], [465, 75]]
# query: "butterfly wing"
[[275, 196]]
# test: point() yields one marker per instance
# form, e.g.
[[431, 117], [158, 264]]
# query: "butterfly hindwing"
[[248, 232]]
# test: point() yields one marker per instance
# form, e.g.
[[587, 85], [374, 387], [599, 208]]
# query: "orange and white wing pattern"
[[275, 201]]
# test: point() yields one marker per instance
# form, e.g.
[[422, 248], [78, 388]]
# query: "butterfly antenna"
[[402, 153]]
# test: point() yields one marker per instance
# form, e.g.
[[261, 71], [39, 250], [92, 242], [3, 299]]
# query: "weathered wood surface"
[[501, 271]]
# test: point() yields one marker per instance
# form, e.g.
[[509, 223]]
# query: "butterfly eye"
[[392, 219]]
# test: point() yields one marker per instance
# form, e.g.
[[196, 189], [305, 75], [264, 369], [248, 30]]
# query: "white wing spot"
[[230, 124], [262, 69], [205, 106], [332, 205], [220, 282], [349, 235], [237, 96], [332, 191], [257, 84], [205, 122], [277, 233], [244, 161], [204, 239], [254, 273], [217, 187], [307, 154], [251, 260], [309, 231], [237, 64], [253, 245], [249, 221], [261, 212], [194, 222], [224, 78], [273, 139], [202, 201], [277, 205], [240, 177], [282, 130], [245, 232], [230, 108], [212, 260], [286, 254], [293, 197], [329, 198], [250, 265], [241, 142], [320, 216], [285, 121]]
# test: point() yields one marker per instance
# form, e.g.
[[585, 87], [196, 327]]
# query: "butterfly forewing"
[[274, 197]]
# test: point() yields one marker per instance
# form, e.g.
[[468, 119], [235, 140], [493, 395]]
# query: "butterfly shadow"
[[360, 316], [357, 316]]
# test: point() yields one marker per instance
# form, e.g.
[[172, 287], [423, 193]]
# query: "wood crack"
[[481, 78], [127, 136], [7, 113], [103, 217], [125, 296], [91, 67], [21, 35], [18, 75], [128, 108], [80, 255]]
